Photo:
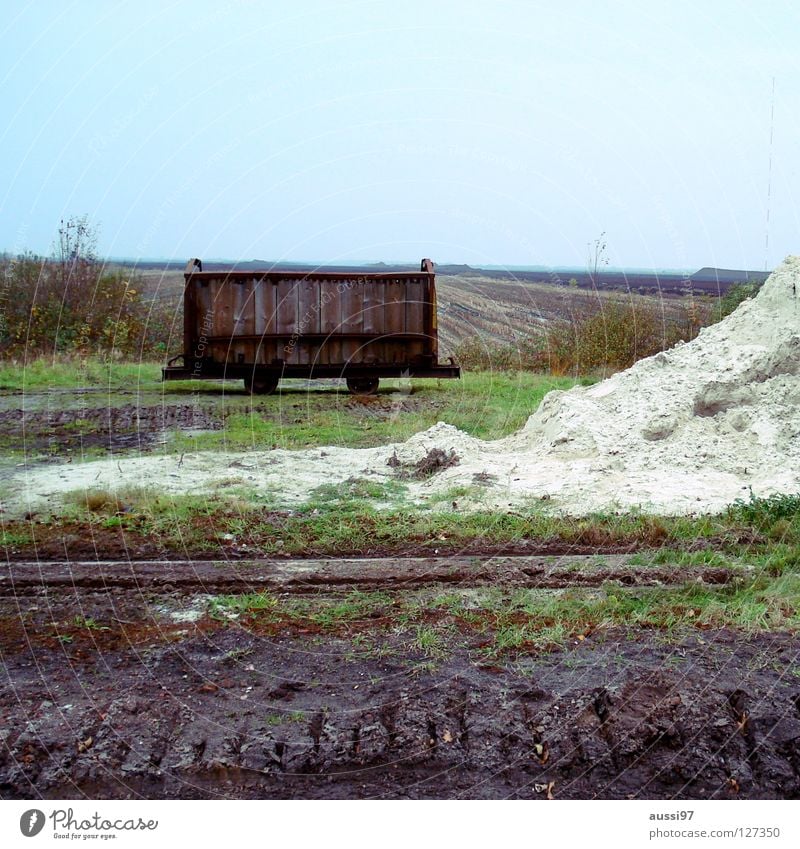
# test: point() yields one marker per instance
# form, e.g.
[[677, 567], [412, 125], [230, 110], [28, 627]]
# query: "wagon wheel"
[[261, 384], [362, 385]]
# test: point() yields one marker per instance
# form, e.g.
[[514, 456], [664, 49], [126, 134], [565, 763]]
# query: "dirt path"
[[117, 682]]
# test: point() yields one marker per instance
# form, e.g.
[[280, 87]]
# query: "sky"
[[502, 133]]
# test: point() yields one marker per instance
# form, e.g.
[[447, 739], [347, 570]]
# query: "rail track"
[[312, 575]]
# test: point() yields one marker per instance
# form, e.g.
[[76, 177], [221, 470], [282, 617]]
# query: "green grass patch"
[[15, 537], [455, 494], [355, 491], [72, 373], [365, 517], [512, 621], [232, 606], [766, 512], [275, 719], [486, 405], [703, 557]]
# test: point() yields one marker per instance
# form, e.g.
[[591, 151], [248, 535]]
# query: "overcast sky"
[[484, 132]]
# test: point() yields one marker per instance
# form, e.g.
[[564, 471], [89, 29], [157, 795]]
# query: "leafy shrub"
[[764, 512], [735, 295], [479, 355], [72, 303], [612, 337], [609, 336]]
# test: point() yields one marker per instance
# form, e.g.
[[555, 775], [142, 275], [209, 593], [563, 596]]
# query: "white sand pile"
[[686, 431]]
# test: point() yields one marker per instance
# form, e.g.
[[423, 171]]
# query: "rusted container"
[[261, 326]]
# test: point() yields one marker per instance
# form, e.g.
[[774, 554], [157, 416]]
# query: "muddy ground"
[[119, 681], [112, 428], [73, 421], [119, 678]]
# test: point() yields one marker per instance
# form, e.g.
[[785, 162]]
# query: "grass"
[[488, 405], [75, 372], [455, 494], [89, 623], [233, 606], [365, 517], [483, 404], [430, 641], [16, 538], [765, 512], [355, 490], [513, 621], [274, 719], [704, 557], [765, 598]]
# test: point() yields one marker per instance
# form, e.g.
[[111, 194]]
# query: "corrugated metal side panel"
[[330, 322], [264, 306], [243, 350], [352, 320], [204, 318], [308, 318], [415, 315], [190, 334], [394, 316], [374, 299], [432, 346], [286, 320], [317, 320], [222, 294]]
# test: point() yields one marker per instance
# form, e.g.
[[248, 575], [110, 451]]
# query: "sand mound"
[[685, 431], [690, 429]]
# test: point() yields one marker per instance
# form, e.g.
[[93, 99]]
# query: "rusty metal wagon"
[[261, 326]]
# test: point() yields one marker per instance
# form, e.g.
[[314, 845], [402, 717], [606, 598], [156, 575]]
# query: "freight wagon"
[[260, 326]]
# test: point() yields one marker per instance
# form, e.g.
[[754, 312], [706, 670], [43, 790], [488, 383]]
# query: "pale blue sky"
[[483, 132]]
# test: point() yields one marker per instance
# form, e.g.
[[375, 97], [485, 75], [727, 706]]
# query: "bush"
[[735, 295], [72, 304], [610, 336], [478, 355], [763, 512]]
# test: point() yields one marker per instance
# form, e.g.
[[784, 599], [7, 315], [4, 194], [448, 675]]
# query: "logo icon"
[[31, 822]]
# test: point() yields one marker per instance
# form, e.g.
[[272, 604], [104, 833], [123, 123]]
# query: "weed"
[[764, 512], [353, 607], [455, 493], [238, 654], [89, 623], [233, 606], [15, 538], [429, 641], [356, 489], [279, 718]]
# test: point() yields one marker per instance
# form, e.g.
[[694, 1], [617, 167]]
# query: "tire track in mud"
[[182, 708], [613, 722], [548, 572]]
